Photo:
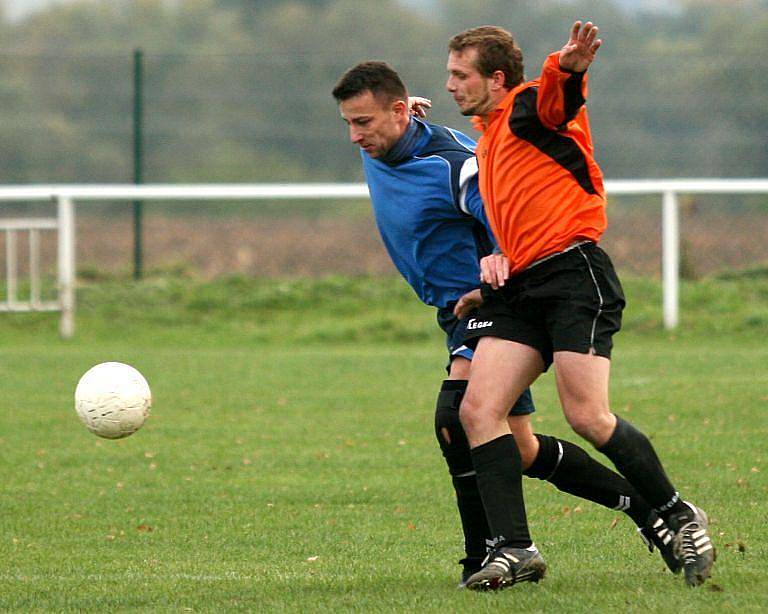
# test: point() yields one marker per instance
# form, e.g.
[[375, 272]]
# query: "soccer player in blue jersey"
[[423, 185]]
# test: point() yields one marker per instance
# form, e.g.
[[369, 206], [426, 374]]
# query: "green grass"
[[289, 463]]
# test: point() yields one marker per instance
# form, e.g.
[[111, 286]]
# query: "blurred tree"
[[250, 11], [230, 99]]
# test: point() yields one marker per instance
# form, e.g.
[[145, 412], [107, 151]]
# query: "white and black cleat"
[[506, 566], [470, 567], [693, 545], [656, 534]]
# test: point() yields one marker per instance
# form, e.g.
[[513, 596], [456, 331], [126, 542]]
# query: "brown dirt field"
[[302, 246]]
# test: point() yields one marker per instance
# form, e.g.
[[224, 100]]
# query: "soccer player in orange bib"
[[552, 295]]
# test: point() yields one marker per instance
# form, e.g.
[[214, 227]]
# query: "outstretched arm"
[[563, 85], [579, 52]]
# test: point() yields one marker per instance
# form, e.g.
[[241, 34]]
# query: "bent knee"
[[474, 413], [470, 415], [595, 428]]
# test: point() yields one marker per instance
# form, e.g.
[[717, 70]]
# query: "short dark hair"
[[496, 50], [377, 77]]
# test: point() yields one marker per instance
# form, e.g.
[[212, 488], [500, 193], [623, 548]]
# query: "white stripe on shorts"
[[599, 298]]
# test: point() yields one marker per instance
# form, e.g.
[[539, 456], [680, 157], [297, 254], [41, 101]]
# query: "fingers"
[[590, 34], [485, 272], [494, 270], [591, 41], [467, 303], [586, 34], [418, 106], [462, 309], [575, 30]]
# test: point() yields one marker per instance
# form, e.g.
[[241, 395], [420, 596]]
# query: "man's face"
[[374, 125], [470, 90]]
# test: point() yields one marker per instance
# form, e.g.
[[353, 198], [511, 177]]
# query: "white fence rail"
[[67, 195], [32, 226]]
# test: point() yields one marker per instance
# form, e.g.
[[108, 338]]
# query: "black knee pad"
[[450, 434]]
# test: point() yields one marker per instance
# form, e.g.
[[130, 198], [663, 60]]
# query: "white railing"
[[11, 228], [64, 225], [66, 196]]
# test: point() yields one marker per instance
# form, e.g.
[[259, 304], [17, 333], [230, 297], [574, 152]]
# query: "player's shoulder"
[[448, 142]]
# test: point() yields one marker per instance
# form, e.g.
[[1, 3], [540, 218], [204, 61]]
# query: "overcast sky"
[[17, 9]]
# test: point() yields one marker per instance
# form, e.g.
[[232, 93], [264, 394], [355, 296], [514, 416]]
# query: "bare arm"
[[563, 86]]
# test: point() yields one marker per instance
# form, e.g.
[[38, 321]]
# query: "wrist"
[[571, 71]]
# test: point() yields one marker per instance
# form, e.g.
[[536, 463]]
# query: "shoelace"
[[687, 549]]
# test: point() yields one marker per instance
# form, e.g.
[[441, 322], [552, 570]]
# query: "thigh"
[[459, 368], [501, 371]]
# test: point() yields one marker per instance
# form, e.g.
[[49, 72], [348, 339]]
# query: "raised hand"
[[579, 52]]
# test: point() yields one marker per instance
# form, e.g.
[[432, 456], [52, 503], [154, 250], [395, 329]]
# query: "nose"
[[354, 136], [449, 85]]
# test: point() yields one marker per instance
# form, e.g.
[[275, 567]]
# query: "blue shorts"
[[455, 330]]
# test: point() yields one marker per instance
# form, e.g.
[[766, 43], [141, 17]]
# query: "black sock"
[[635, 458], [499, 479], [473, 520], [455, 447], [572, 470]]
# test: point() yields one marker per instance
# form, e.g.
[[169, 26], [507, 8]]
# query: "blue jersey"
[[428, 210]]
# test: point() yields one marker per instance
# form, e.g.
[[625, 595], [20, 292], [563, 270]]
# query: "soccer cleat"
[[471, 566], [506, 566], [657, 534], [693, 545]]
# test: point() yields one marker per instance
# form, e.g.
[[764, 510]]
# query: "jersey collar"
[[504, 104], [414, 139]]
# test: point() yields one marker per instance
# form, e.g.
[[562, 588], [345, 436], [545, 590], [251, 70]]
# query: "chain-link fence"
[[270, 117]]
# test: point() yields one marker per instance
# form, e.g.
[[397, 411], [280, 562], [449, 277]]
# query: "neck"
[[495, 99], [403, 148]]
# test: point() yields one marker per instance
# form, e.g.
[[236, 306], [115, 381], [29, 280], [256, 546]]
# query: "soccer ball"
[[113, 399]]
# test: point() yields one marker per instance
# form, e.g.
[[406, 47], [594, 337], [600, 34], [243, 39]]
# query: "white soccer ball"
[[113, 399]]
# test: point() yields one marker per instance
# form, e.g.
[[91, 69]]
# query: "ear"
[[498, 80], [400, 107]]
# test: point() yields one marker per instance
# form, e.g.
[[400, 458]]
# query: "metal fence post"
[[138, 160], [66, 214], [671, 259]]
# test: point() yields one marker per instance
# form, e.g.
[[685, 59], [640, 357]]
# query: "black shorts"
[[570, 302], [455, 330]]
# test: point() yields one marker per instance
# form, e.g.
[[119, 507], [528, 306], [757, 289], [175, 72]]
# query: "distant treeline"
[[239, 90]]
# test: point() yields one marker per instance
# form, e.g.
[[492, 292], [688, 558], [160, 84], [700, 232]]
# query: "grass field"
[[290, 465]]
